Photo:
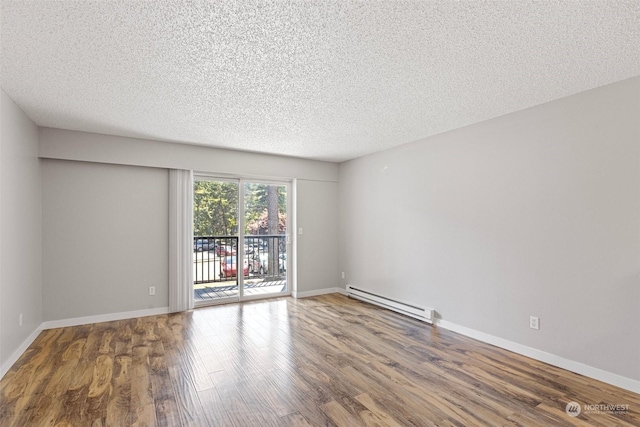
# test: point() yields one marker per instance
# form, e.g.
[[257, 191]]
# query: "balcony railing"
[[215, 258]]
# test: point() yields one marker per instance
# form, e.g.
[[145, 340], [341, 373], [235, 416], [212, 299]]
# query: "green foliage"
[[261, 224], [256, 199], [215, 208]]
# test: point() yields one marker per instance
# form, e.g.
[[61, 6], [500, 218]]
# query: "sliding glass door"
[[240, 242]]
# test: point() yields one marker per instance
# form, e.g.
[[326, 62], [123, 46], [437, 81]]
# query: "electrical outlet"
[[152, 290], [300, 230], [20, 319], [534, 322], [343, 274]]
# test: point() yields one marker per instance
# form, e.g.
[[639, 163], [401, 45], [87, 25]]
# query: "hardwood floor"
[[322, 361]]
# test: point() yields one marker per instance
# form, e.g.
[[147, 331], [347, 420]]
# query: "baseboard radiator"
[[420, 313]]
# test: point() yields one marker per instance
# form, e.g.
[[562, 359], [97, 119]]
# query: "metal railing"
[[215, 258]]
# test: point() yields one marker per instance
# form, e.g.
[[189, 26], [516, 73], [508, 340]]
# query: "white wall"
[[20, 229], [105, 238], [533, 213], [80, 167]]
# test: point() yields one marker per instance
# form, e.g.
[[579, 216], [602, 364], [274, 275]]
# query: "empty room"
[[319, 213]]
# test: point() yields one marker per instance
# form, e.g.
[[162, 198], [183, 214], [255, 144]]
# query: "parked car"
[[225, 250], [259, 263], [229, 267], [253, 261], [200, 245], [249, 249]]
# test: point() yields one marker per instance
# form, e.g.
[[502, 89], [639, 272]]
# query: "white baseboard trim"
[[19, 351], [315, 292], [62, 323], [542, 356]]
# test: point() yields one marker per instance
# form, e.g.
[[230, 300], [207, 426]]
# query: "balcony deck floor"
[[207, 292]]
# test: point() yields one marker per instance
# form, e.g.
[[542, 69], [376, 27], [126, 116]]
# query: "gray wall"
[[20, 228], [123, 183], [317, 206], [533, 213], [92, 147], [105, 238]]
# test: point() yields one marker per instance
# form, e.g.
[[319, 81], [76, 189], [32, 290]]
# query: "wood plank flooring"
[[321, 361]]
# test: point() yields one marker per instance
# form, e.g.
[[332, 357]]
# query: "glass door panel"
[[265, 238], [215, 240]]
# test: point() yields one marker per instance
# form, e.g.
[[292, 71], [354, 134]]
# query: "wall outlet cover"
[[534, 322]]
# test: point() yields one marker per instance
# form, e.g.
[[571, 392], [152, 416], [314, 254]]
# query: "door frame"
[[290, 212]]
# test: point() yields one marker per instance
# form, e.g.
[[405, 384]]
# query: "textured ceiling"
[[323, 79]]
